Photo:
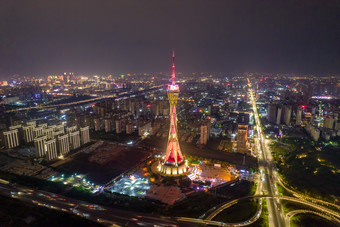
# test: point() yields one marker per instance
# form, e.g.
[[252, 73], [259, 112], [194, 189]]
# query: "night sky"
[[126, 36]]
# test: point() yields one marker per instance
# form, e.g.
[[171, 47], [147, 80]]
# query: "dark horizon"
[[103, 37]]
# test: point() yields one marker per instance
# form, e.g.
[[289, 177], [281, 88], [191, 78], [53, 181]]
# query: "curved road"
[[295, 212]]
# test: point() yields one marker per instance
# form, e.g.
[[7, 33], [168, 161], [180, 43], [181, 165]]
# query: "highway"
[[116, 217], [104, 215], [266, 167]]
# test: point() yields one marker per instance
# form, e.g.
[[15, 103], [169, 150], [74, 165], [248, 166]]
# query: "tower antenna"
[[173, 66]]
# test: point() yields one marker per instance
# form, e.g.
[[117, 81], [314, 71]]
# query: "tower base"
[[172, 170]]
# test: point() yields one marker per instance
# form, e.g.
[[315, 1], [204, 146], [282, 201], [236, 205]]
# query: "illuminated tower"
[[173, 163]]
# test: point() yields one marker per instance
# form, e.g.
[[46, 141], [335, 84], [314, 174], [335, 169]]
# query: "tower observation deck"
[[173, 163]]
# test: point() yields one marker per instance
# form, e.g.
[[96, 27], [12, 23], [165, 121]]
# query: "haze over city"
[[104, 37]]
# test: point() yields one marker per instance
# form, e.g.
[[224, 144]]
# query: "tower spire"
[[173, 66], [173, 162]]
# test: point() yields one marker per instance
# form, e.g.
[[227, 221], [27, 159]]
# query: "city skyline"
[[135, 36]]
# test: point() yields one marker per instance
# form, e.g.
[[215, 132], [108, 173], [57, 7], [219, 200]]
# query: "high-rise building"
[[204, 134], [271, 113], [71, 129], [287, 114], [39, 144], [11, 139], [328, 122], [337, 125], [28, 133], [20, 132], [74, 139], [51, 149], [87, 121], [85, 135], [44, 126], [37, 132], [63, 144], [132, 107], [278, 117], [314, 132], [144, 128], [52, 127], [31, 123], [97, 124], [129, 128], [119, 127], [57, 133], [108, 125], [242, 138], [59, 128], [174, 163], [205, 131], [14, 127], [299, 116]]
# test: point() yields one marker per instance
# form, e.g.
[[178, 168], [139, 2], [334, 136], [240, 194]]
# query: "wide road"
[[105, 215], [267, 168]]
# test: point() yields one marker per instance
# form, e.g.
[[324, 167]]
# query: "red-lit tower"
[[173, 163]]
